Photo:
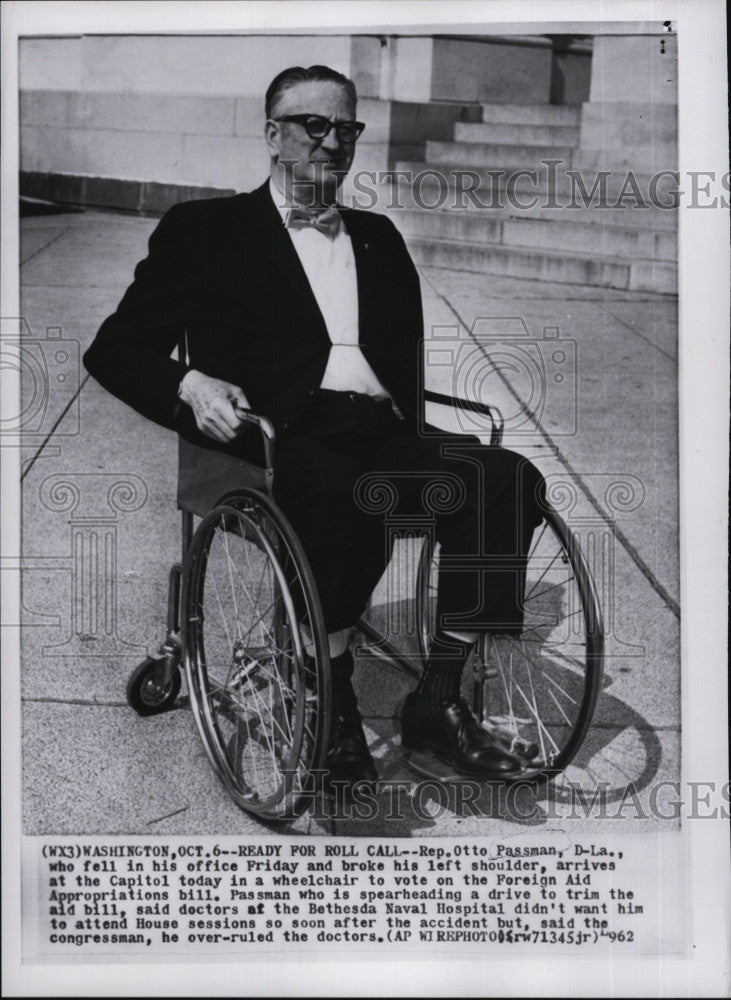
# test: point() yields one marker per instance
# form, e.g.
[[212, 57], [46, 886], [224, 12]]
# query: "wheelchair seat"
[[207, 474]]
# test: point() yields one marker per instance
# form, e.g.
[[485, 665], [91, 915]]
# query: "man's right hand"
[[216, 405]]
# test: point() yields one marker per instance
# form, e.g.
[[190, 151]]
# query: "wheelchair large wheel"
[[534, 692], [251, 617]]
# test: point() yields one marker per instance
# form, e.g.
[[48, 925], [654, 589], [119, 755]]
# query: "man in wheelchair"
[[311, 315]]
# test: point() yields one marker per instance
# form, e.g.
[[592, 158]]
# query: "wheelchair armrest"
[[472, 405]]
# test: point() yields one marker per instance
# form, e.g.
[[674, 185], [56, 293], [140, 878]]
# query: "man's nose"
[[331, 143]]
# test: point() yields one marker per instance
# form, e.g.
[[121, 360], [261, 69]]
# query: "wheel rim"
[[255, 694], [535, 692]]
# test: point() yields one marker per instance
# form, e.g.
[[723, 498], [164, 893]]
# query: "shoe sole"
[[439, 753]]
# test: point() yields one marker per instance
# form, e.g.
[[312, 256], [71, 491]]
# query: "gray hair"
[[298, 74]]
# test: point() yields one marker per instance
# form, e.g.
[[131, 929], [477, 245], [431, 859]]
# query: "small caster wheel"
[[145, 693]]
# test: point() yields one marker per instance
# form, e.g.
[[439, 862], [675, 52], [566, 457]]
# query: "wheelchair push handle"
[[263, 423], [266, 429]]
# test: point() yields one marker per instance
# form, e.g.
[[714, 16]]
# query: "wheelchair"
[[244, 621]]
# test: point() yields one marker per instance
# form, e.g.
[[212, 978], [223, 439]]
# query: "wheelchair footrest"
[[526, 750]]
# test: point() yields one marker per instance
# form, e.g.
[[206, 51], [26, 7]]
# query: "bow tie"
[[327, 221]]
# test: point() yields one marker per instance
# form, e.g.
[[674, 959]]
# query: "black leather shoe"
[[348, 757], [455, 736]]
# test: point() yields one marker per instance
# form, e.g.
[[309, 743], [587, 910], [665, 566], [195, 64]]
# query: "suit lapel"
[[278, 255], [364, 268], [277, 252]]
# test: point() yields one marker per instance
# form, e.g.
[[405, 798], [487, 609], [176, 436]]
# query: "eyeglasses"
[[319, 127]]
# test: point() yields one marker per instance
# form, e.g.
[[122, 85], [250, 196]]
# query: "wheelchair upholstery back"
[[206, 474]]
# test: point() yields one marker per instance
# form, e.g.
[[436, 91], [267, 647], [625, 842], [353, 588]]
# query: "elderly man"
[[311, 315]]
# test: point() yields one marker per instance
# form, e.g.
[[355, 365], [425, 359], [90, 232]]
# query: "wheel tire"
[[144, 693], [535, 693], [261, 704]]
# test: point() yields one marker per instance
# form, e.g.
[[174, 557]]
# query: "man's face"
[[320, 165]]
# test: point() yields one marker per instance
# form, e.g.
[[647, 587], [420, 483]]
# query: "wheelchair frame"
[[504, 680]]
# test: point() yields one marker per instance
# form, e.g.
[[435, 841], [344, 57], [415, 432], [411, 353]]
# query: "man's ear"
[[271, 134]]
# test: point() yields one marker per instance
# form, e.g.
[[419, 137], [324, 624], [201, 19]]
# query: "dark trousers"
[[352, 470]]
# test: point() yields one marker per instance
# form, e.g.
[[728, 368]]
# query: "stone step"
[[578, 237], [532, 114], [445, 185], [457, 226], [389, 197], [546, 265], [487, 154], [644, 219], [569, 236], [518, 135]]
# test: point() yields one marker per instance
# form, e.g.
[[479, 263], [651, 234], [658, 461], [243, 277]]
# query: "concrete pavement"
[[606, 432]]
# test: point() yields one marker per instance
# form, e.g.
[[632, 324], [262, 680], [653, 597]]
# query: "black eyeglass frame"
[[305, 119]]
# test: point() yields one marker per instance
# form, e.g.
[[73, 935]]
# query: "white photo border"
[[703, 347]]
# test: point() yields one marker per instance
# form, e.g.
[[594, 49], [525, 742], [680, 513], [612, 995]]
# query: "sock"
[[468, 637], [339, 642], [442, 677], [341, 673]]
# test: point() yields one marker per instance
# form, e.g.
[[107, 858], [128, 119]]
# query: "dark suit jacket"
[[225, 273]]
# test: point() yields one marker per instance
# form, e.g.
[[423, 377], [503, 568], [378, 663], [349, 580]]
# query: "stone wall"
[[122, 148], [631, 118], [403, 68], [210, 65]]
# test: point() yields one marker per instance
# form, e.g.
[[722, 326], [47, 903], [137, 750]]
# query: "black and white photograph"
[[364, 439]]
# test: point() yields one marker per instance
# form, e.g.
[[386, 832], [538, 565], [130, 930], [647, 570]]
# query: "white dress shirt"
[[329, 264]]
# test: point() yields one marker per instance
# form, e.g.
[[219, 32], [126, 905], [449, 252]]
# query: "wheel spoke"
[[508, 689], [558, 706], [542, 576], [245, 657], [539, 686], [537, 715], [547, 590], [230, 574], [220, 605], [539, 723], [552, 680], [269, 742], [537, 540]]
